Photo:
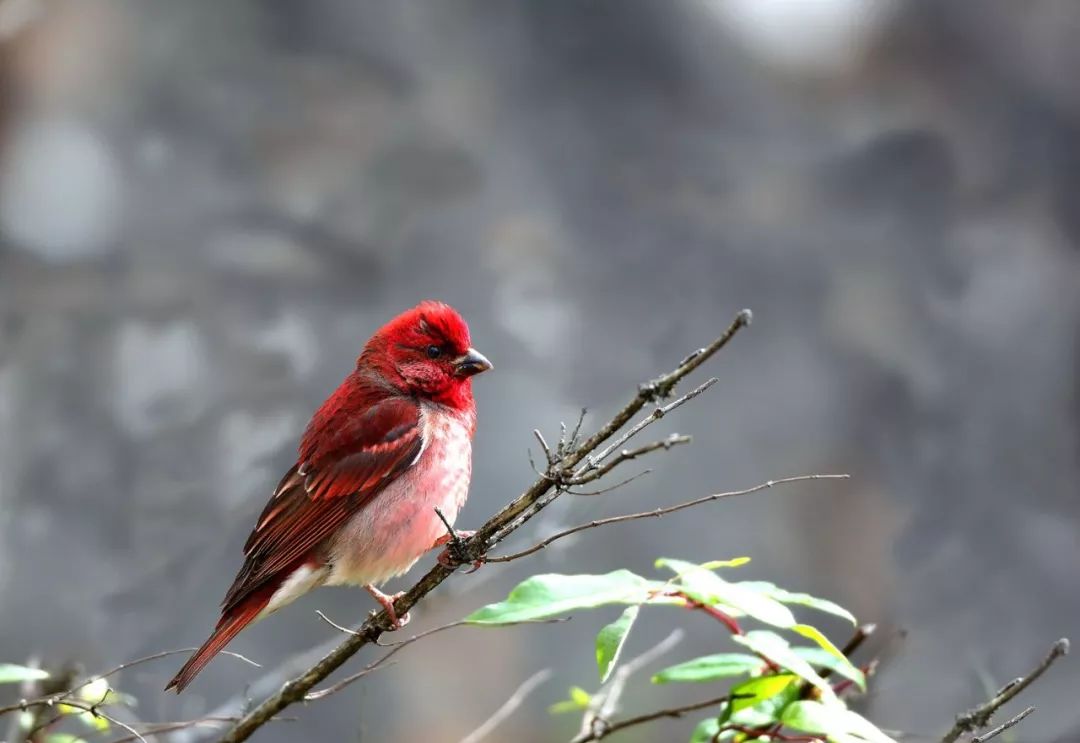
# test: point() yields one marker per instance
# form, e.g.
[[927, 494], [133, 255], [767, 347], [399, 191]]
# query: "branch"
[[1003, 727], [656, 513], [508, 707], [63, 697], [497, 528], [172, 727], [627, 454], [93, 709], [396, 646], [978, 718], [313, 695], [614, 727], [594, 462], [594, 723]]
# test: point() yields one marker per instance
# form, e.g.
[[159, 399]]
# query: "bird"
[[388, 447]]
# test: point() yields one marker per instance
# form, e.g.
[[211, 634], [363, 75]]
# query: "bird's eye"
[[434, 352]]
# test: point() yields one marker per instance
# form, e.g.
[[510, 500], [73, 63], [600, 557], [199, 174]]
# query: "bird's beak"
[[472, 362]]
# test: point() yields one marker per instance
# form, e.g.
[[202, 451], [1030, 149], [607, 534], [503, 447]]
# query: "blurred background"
[[206, 208]]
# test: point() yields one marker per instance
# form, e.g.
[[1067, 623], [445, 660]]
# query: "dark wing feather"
[[347, 458]]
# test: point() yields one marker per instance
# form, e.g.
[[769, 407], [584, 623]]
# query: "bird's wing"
[[346, 458]]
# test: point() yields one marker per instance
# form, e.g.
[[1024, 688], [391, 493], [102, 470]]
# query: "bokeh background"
[[205, 208]]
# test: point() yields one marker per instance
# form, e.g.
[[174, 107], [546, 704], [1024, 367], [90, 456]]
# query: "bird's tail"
[[228, 627]]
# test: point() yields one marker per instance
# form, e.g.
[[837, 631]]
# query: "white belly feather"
[[389, 534]]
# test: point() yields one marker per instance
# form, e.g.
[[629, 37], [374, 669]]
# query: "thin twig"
[[657, 513], [93, 709], [172, 727], [508, 707], [1003, 727], [626, 455], [64, 697], [593, 463], [396, 646], [544, 446], [157, 656], [604, 704], [614, 727], [313, 695], [497, 528], [979, 717], [609, 488], [334, 624]]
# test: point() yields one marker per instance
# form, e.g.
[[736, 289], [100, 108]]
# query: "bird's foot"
[[453, 554], [387, 603]]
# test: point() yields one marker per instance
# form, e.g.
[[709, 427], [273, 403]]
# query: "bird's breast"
[[389, 534]]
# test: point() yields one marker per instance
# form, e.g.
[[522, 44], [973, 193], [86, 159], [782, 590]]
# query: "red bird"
[[392, 443]]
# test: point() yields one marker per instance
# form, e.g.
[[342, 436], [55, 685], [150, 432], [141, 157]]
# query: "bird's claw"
[[453, 553], [387, 603]]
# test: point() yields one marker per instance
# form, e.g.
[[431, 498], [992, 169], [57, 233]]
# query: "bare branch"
[[593, 463], [609, 488], [1003, 727], [626, 455], [544, 447], [508, 707], [311, 696], [577, 429], [64, 697], [658, 512], [172, 727], [93, 709], [396, 646], [594, 723], [158, 656], [614, 727], [335, 625], [979, 717], [497, 528]]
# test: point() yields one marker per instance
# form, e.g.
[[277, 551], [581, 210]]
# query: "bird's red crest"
[[417, 351], [429, 322]]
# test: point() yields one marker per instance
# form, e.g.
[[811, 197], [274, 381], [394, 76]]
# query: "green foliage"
[[709, 668], [14, 674], [781, 683], [610, 641], [546, 596], [578, 700], [839, 724]]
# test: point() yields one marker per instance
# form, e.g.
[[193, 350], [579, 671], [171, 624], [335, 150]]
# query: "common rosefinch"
[[392, 443]]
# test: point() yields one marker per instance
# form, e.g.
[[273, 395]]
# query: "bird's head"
[[426, 351]]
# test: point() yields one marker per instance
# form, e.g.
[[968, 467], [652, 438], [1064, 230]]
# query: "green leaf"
[[753, 692], [610, 639], [709, 668], [92, 721], [13, 674], [706, 586], [579, 699], [803, 599], [776, 648], [764, 710], [840, 724], [735, 562], [64, 738], [706, 731], [813, 633], [545, 596], [842, 667]]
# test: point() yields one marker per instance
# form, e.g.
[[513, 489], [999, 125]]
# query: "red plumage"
[[390, 444]]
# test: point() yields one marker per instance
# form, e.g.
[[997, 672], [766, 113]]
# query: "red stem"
[[746, 730]]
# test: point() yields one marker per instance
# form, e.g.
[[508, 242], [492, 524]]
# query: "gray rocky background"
[[206, 207]]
